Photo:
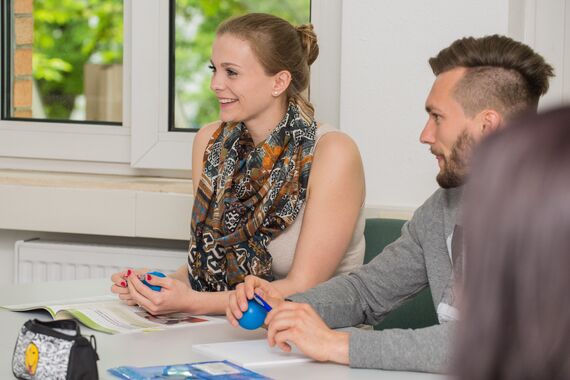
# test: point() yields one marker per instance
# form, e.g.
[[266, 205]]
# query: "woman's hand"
[[238, 299], [174, 295], [299, 324], [120, 284]]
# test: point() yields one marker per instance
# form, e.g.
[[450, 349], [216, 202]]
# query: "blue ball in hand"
[[156, 288], [253, 317]]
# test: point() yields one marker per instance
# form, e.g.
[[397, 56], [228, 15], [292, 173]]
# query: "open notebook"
[[110, 315], [251, 353]]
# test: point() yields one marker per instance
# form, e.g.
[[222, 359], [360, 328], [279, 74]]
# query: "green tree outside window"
[[67, 35]]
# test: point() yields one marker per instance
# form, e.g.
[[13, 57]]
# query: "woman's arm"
[[334, 198], [181, 274], [175, 296], [335, 195]]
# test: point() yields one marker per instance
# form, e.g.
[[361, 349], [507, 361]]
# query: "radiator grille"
[[42, 260]]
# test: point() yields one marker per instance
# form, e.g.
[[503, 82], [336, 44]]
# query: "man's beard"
[[455, 168]]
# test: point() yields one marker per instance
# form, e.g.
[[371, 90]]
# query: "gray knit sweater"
[[417, 259]]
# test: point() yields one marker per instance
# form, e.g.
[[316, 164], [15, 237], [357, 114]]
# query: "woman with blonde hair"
[[277, 194]]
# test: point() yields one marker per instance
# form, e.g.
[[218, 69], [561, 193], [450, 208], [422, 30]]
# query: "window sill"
[[149, 207]]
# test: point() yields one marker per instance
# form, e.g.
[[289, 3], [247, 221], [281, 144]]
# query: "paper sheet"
[[251, 353]]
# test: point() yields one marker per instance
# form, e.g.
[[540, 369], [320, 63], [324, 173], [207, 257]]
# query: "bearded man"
[[481, 84]]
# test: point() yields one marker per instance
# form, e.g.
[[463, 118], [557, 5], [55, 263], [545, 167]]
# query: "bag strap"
[[93, 342], [47, 328]]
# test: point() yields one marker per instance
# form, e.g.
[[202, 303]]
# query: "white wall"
[[545, 25], [386, 77]]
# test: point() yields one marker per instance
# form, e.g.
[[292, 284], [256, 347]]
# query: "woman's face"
[[240, 83]]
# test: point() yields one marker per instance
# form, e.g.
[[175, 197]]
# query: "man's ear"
[[281, 82], [491, 120]]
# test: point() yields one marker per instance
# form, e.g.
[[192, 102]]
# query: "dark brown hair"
[[279, 46], [516, 316], [502, 74]]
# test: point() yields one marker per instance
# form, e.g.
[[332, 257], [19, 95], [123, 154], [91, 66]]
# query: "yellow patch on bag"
[[32, 357]]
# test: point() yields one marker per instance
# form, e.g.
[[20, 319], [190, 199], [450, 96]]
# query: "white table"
[[158, 348]]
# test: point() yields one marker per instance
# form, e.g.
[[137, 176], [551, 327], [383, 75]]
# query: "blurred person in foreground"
[[515, 317]]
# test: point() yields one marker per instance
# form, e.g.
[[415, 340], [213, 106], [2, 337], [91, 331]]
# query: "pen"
[[262, 302]]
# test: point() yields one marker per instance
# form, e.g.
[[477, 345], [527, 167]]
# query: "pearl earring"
[[275, 93]]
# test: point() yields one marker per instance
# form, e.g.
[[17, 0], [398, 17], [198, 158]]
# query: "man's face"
[[449, 132]]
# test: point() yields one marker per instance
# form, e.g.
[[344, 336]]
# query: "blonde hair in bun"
[[309, 42]]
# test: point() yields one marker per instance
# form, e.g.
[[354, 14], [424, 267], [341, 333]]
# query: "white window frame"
[[144, 142]]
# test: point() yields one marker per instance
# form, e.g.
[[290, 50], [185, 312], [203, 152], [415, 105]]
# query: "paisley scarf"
[[246, 197]]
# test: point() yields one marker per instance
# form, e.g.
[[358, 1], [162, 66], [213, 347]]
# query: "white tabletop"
[[158, 348]]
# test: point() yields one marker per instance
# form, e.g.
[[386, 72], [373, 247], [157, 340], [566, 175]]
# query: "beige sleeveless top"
[[282, 248]]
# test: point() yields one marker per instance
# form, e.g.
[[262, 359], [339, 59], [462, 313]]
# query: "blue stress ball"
[[253, 317], [156, 288]]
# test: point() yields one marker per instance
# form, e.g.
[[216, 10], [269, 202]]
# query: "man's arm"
[[395, 275], [425, 350], [366, 296], [292, 323]]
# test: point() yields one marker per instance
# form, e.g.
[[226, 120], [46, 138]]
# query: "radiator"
[[43, 260]]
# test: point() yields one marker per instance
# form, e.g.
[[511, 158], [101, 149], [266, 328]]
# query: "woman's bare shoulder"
[[206, 132]]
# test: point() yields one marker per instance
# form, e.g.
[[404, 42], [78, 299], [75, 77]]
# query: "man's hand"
[[244, 292], [299, 324]]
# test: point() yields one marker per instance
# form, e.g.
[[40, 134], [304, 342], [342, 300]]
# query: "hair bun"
[[308, 42]]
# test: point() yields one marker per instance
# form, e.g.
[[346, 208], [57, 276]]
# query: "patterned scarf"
[[246, 197]]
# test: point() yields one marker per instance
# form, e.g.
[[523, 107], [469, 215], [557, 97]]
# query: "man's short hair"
[[502, 74]]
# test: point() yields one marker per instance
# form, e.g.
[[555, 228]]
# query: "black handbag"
[[54, 350]]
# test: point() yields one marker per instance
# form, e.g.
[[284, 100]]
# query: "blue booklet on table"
[[218, 370]]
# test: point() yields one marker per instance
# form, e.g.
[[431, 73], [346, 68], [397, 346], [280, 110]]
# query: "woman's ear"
[[281, 82], [491, 120]]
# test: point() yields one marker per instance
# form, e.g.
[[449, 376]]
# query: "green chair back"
[[416, 313]]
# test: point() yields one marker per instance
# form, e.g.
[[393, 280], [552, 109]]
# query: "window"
[[39, 100], [141, 57], [67, 61]]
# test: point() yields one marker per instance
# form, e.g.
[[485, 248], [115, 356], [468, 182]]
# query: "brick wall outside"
[[22, 58]]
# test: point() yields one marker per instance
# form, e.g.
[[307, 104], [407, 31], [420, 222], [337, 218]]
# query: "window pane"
[[66, 60], [193, 103]]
